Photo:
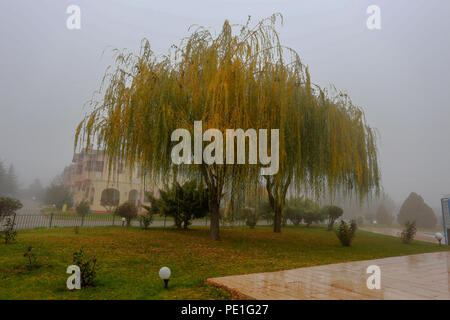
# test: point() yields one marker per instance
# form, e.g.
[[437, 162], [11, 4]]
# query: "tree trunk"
[[215, 219], [277, 198], [177, 221], [215, 185], [330, 225], [277, 220]]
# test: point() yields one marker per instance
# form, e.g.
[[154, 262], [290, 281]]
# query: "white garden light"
[[164, 273], [438, 237]]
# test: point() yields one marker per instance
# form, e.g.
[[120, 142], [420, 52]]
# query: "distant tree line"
[[8, 181]]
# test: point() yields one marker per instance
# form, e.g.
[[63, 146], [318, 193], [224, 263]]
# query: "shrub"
[[127, 210], [312, 216], [295, 215], [146, 220], [345, 232], [9, 206], [409, 233], [298, 209], [31, 258], [383, 216], [83, 208], [8, 232], [183, 202], [251, 217], [415, 209], [332, 213], [87, 267]]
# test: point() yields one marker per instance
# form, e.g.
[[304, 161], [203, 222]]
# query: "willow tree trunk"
[[215, 190], [277, 195], [215, 219], [277, 219]]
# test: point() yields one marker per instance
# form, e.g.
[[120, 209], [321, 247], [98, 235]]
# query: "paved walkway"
[[421, 276]]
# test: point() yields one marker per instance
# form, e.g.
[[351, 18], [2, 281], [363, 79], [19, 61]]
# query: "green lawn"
[[129, 258]]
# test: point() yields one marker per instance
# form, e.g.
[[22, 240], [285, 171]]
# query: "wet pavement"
[[421, 276]]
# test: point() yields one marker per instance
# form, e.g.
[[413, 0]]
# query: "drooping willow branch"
[[245, 79]]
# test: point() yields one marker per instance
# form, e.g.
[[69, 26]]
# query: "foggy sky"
[[399, 74]]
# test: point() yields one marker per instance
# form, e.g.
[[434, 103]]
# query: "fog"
[[398, 74]]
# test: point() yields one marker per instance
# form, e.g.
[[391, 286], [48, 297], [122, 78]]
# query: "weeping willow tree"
[[245, 79]]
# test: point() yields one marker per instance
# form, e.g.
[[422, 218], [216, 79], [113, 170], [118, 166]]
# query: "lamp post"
[[164, 273], [123, 222], [438, 237]]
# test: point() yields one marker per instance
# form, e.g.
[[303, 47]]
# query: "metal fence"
[[30, 221], [50, 220]]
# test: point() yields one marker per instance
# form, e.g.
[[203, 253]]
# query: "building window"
[[96, 166], [99, 166], [110, 197], [134, 197]]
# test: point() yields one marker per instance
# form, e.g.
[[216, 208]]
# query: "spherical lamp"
[[164, 273], [438, 237]]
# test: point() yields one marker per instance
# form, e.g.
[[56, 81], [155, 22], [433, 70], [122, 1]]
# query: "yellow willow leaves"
[[245, 79]]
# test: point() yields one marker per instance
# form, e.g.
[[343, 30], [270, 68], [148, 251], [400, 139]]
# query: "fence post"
[[82, 220], [165, 216], [114, 218], [14, 220], [51, 220]]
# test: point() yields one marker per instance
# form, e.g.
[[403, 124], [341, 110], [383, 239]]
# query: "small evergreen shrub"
[[409, 233], [87, 267], [146, 220], [184, 202], [345, 232]]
